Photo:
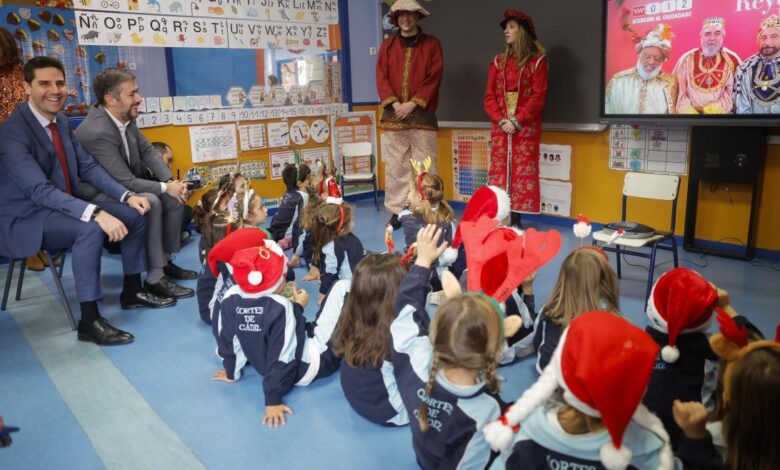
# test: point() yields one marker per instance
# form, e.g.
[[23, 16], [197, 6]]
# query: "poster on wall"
[[216, 142], [278, 162], [319, 11], [132, 29], [252, 137], [278, 134], [649, 148], [555, 197], [470, 157], [309, 156], [555, 162], [253, 169], [222, 169]]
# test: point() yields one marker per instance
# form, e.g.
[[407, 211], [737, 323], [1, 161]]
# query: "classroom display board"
[[351, 128], [554, 179], [649, 148], [470, 160]]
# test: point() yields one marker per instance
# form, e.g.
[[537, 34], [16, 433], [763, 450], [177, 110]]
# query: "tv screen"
[[691, 59]]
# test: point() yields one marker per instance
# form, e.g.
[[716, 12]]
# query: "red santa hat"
[[681, 301], [582, 227], [603, 364], [224, 250], [500, 258], [329, 188], [261, 269], [491, 201]]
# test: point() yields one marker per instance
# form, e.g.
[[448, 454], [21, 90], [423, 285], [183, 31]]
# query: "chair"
[[56, 274], [362, 155], [646, 186]]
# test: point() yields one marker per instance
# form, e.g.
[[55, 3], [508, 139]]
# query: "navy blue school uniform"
[[546, 338], [371, 391], [521, 343], [204, 291], [338, 260], [412, 224], [286, 222], [223, 282], [458, 267], [700, 454], [693, 377], [456, 414], [270, 332], [542, 443]]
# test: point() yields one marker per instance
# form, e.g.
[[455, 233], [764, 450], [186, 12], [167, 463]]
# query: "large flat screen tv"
[[695, 61]]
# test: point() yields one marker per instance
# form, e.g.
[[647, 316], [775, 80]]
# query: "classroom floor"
[[151, 404]]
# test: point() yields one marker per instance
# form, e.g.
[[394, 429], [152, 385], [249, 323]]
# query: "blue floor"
[[169, 366]]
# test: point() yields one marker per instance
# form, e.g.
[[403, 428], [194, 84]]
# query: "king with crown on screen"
[[705, 75], [757, 80], [645, 88]]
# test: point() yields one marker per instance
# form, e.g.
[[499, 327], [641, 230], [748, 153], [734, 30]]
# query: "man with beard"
[[110, 134], [705, 76], [408, 75], [645, 88], [757, 81]]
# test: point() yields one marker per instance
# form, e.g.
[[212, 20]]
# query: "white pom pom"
[[670, 354], [581, 230], [498, 435], [615, 459], [255, 278], [448, 257]]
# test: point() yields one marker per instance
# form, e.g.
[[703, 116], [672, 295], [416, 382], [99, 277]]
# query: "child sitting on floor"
[[261, 327]]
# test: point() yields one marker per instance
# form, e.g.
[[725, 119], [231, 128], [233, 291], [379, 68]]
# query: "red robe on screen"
[[523, 168]]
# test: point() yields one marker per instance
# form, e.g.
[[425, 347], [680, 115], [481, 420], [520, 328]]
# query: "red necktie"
[[56, 138]]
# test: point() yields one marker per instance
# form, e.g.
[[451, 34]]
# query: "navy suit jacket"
[[32, 183]]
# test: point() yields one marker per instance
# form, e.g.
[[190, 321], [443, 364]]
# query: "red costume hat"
[[603, 363], [681, 301], [243, 238], [499, 258], [524, 20], [261, 269], [491, 201]]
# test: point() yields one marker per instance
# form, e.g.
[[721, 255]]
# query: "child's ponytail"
[[422, 417]]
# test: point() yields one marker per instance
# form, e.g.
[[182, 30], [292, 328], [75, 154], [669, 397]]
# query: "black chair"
[[645, 186], [56, 274]]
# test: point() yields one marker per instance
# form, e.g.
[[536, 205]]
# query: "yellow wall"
[[722, 215], [178, 138]]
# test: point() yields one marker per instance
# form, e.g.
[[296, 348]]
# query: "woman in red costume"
[[514, 100]]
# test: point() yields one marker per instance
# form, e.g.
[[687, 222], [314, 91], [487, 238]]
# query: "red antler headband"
[[421, 168]]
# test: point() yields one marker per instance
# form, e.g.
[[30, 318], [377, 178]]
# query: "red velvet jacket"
[[410, 73]]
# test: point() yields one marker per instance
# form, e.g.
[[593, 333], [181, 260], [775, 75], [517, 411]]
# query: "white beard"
[[645, 75], [710, 51]]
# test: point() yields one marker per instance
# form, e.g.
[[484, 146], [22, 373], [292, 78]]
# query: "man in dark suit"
[[41, 164], [110, 134]]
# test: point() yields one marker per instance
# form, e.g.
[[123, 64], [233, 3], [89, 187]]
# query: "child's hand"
[[274, 415], [295, 261], [301, 297], [221, 376], [528, 284], [691, 417], [512, 325], [724, 300], [428, 249], [313, 275]]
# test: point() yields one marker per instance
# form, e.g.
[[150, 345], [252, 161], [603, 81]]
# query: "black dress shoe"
[[175, 272], [394, 222], [101, 332], [168, 288], [145, 299]]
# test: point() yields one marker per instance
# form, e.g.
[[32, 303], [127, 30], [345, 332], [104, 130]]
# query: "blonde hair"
[[433, 209], [466, 332], [584, 282]]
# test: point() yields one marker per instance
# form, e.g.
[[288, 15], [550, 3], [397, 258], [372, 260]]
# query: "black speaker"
[[727, 154]]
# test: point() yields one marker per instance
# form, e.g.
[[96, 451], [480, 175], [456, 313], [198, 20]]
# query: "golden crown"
[[771, 22]]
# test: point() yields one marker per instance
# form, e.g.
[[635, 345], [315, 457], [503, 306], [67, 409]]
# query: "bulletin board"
[[355, 127]]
